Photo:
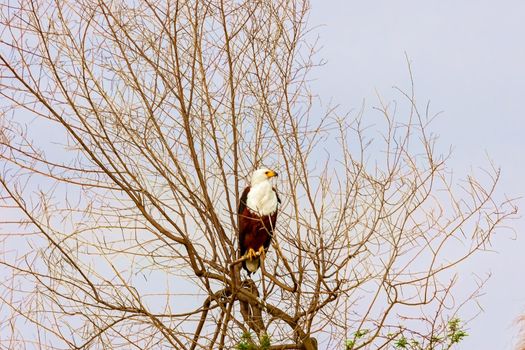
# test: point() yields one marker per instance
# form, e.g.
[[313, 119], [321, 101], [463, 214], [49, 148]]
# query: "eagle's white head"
[[261, 175], [262, 199]]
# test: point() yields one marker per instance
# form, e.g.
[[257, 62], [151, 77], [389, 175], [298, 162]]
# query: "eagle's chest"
[[262, 199]]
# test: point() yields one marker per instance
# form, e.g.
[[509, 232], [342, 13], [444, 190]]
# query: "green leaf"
[[458, 336], [401, 343], [265, 342], [456, 333], [361, 333], [246, 342], [435, 339], [349, 344], [453, 324]]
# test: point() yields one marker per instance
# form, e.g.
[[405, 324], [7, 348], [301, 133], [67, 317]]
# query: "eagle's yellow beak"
[[271, 173]]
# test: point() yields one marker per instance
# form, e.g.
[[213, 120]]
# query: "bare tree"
[[128, 131]]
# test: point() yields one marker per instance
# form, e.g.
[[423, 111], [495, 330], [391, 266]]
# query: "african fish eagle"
[[257, 214]]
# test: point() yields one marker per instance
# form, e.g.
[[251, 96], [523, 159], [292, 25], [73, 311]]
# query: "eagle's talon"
[[261, 252], [251, 254]]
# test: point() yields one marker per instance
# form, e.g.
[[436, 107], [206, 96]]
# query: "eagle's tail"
[[251, 265]]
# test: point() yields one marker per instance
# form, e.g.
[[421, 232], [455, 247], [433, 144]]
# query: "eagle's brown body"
[[254, 231]]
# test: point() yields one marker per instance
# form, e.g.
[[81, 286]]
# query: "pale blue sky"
[[468, 58]]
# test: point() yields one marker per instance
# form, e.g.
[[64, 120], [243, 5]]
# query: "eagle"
[[257, 214]]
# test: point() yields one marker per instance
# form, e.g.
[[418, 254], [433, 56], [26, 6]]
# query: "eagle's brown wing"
[[242, 220]]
